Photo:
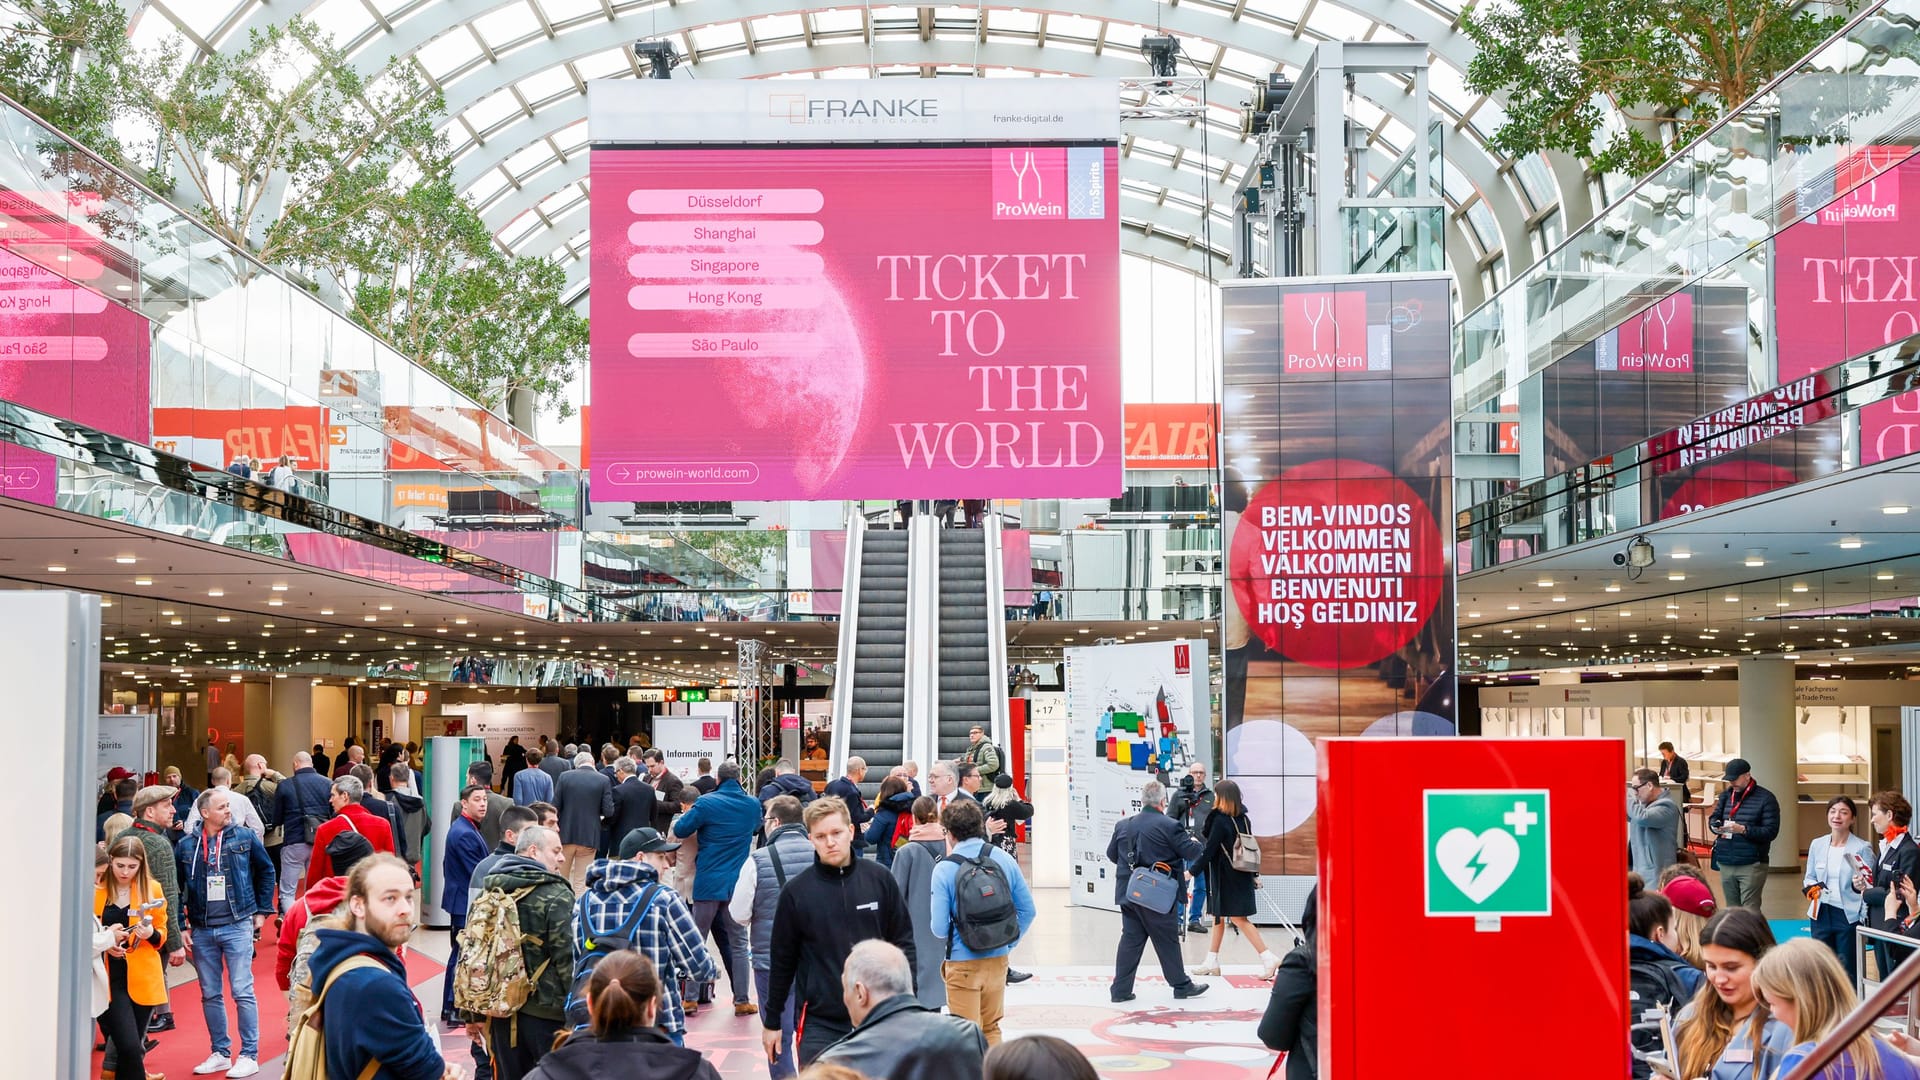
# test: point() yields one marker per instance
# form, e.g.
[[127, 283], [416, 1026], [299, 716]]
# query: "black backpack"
[[591, 949], [1653, 987], [984, 917]]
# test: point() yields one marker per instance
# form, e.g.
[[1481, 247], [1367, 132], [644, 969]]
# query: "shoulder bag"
[[1153, 887]]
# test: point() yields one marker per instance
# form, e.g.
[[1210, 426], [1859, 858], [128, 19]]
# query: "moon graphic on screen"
[[810, 397]]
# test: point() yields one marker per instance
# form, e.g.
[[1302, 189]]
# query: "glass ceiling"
[[514, 73]]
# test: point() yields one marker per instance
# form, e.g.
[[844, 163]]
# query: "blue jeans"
[[293, 863], [1199, 893], [781, 1067], [229, 947]]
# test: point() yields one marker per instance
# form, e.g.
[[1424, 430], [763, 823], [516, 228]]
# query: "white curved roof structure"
[[514, 74]]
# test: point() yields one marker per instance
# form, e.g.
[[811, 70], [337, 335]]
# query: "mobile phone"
[[1660, 1067]]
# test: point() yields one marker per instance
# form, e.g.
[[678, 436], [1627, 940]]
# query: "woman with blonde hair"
[[114, 826], [136, 980], [1804, 985], [1725, 1033]]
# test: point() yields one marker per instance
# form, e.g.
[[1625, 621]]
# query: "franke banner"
[[848, 322], [1337, 460]]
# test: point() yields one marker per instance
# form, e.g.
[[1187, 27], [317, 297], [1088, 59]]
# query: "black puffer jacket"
[[643, 1054]]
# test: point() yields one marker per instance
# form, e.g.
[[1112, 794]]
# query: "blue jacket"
[[465, 848], [789, 784], [725, 820], [886, 816], [1690, 977], [304, 793], [944, 875], [243, 858], [531, 786], [371, 1013], [849, 792]]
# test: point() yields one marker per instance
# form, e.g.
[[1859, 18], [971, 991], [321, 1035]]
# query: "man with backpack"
[[300, 923], [627, 905], [300, 806], [981, 908], [982, 754], [465, 849], [756, 894], [809, 948], [516, 954], [364, 1020]]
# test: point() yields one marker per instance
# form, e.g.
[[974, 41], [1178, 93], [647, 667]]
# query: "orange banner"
[[1170, 436], [262, 434]]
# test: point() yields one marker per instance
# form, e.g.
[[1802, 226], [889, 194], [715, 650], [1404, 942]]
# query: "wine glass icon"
[[1021, 169], [1318, 310]]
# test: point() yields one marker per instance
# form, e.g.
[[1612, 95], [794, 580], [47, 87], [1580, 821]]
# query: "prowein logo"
[[1658, 339], [1049, 183], [808, 109], [1324, 331]]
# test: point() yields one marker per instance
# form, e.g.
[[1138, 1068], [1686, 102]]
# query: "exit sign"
[[693, 694]]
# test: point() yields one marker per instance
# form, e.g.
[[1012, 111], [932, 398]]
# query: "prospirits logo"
[[1325, 331]]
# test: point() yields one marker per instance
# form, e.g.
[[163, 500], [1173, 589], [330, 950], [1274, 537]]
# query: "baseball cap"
[[1736, 769], [117, 774], [346, 849], [147, 796], [1690, 896], [645, 839]]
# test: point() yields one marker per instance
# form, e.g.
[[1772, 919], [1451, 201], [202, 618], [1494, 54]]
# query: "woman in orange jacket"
[[131, 903]]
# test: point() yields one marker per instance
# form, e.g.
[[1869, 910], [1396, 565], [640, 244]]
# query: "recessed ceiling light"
[[1676, 576], [125, 560], [1884, 575], [1679, 554], [326, 611], [1850, 543], [386, 607], [56, 568], [1896, 508], [1799, 588], [143, 581], [1613, 586]]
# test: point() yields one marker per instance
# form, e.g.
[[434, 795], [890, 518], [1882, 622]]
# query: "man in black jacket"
[[300, 804], [1142, 840], [666, 789], [1745, 820], [1189, 806], [633, 801], [808, 951], [894, 1035]]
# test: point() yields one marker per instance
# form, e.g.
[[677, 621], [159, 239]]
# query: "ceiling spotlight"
[[659, 56], [1162, 54], [1637, 556]]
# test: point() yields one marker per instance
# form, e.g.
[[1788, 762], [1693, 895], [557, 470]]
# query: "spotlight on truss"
[[1162, 52], [660, 56]]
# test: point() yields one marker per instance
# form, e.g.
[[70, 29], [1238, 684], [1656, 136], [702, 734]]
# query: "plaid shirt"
[[667, 934]]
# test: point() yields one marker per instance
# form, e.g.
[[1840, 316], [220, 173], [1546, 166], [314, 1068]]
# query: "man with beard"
[[374, 1017]]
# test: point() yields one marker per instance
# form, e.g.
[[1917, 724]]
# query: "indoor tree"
[[1673, 64]]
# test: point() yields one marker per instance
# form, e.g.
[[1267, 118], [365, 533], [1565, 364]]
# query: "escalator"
[[965, 631], [873, 655]]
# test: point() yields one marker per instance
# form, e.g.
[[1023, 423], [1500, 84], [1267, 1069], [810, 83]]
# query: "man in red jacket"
[[348, 814]]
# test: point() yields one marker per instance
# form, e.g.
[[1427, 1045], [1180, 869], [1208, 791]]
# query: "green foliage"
[[68, 62], [281, 147], [1683, 63], [743, 551]]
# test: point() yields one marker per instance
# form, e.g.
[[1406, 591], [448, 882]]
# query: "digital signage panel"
[[1337, 466], [857, 320]]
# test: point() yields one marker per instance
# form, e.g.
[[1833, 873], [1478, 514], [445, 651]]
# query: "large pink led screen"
[[856, 322]]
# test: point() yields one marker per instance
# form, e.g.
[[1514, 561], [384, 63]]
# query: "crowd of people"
[[600, 900], [1712, 993]]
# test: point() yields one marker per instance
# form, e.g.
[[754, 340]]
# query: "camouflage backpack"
[[301, 975], [491, 978]]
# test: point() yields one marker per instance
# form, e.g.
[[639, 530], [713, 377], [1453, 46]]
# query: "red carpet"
[[187, 1044]]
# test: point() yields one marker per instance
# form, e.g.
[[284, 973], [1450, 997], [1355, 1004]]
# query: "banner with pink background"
[[856, 322]]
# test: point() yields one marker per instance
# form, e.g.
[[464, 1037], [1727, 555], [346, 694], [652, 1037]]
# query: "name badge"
[[1737, 1057], [216, 887]]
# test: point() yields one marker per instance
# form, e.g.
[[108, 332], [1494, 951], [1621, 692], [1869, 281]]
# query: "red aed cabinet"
[[1472, 907]]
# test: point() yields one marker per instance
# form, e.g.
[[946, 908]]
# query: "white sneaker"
[[214, 1063], [243, 1066]]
